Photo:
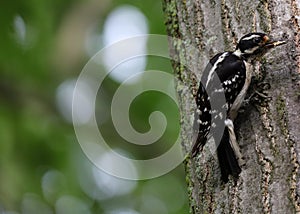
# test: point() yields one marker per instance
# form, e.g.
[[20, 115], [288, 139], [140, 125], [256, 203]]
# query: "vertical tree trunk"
[[269, 134]]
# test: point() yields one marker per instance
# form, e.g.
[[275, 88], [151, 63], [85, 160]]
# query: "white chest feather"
[[241, 96]]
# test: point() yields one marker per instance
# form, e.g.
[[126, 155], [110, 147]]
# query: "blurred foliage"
[[36, 143]]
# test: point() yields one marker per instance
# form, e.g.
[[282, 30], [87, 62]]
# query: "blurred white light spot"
[[110, 185], [123, 211], [71, 205], [20, 29], [151, 204], [87, 181], [125, 22], [64, 98], [99, 185], [32, 204], [53, 182]]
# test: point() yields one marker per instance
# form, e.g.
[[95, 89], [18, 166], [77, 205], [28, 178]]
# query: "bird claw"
[[263, 86], [259, 96]]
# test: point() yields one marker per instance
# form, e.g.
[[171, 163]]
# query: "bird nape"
[[227, 74]]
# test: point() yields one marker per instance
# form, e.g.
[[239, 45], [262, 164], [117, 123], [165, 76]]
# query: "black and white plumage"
[[227, 74]]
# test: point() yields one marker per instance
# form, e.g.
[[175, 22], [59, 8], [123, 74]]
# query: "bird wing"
[[224, 74]]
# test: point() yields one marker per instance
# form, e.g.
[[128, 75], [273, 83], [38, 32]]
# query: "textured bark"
[[269, 134]]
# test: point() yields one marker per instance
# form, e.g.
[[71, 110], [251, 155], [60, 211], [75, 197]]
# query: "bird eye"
[[256, 40]]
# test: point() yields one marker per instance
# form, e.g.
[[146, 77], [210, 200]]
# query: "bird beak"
[[272, 44]]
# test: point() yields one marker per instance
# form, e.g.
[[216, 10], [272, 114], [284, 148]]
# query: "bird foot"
[[259, 95]]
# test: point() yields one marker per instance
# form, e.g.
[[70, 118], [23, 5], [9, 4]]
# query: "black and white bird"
[[228, 74]]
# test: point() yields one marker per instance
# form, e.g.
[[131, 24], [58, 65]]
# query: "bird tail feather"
[[227, 160]]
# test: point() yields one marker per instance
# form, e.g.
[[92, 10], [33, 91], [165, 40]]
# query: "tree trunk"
[[269, 134]]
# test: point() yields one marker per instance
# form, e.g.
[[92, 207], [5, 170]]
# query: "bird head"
[[254, 44]]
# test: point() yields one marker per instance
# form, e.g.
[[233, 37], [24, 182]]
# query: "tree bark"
[[269, 134]]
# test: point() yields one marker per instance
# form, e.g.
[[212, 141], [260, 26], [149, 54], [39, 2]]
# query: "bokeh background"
[[43, 47]]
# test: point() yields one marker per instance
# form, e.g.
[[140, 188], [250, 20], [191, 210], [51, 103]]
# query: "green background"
[[42, 168]]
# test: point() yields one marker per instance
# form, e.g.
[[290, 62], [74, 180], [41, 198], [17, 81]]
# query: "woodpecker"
[[227, 73]]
